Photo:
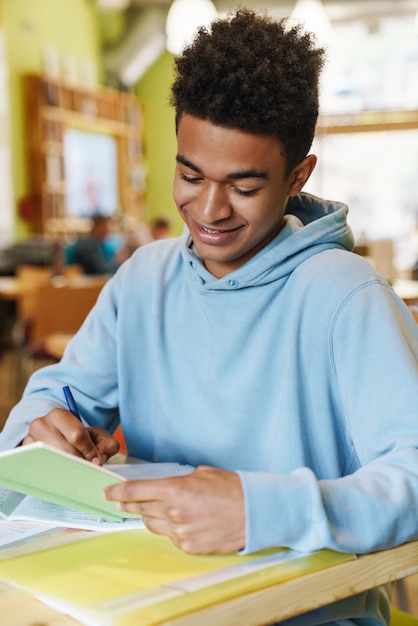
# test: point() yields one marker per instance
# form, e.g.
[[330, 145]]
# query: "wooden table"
[[12, 288], [280, 601]]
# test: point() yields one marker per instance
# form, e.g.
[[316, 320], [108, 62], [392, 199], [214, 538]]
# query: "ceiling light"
[[183, 20], [314, 18], [113, 5]]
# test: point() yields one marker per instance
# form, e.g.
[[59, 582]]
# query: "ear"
[[300, 174]]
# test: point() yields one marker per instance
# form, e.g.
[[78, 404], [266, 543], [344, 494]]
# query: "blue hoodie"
[[298, 370]]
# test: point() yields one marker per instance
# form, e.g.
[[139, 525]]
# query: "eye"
[[190, 179], [246, 192]]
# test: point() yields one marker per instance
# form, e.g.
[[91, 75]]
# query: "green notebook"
[[50, 474]]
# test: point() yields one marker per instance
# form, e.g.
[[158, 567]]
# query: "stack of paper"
[[65, 491], [50, 474]]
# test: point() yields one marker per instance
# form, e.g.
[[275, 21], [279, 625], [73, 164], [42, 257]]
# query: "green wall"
[[160, 140], [70, 26]]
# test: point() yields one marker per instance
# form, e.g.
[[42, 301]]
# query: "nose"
[[214, 203]]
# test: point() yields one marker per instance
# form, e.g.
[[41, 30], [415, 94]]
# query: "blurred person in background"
[[97, 253], [143, 233], [160, 228]]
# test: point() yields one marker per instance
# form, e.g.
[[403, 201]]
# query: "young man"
[[256, 347]]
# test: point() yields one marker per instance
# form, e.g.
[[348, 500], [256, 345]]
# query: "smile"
[[212, 231], [218, 231], [215, 236]]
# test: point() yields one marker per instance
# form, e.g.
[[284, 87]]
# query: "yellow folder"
[[136, 577]]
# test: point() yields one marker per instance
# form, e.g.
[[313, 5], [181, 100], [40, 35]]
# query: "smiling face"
[[231, 189]]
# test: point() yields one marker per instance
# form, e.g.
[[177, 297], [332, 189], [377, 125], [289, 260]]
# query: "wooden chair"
[[31, 278], [56, 308], [62, 308]]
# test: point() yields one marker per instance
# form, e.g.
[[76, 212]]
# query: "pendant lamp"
[[113, 5], [184, 18]]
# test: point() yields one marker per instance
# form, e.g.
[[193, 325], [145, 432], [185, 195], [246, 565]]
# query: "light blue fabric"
[[299, 370]]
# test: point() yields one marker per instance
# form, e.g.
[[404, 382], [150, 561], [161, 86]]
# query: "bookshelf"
[[54, 106]]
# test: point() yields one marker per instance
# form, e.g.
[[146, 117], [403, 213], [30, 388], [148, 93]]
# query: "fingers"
[[134, 494], [61, 429], [202, 512], [105, 443], [195, 539], [178, 534], [84, 446]]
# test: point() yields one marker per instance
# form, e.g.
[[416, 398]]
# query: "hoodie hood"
[[311, 226]]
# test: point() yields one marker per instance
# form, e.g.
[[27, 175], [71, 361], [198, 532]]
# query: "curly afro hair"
[[256, 74]]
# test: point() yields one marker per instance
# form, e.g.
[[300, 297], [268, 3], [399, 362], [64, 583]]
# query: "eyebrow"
[[250, 173]]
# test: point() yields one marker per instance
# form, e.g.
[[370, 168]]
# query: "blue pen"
[[71, 402], [74, 410]]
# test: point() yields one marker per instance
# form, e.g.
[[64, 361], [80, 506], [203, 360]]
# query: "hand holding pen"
[[72, 406], [68, 433], [98, 437]]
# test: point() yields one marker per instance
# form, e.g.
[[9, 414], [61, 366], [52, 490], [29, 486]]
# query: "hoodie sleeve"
[[373, 351]]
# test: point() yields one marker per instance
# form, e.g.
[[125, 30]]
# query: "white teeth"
[[212, 232]]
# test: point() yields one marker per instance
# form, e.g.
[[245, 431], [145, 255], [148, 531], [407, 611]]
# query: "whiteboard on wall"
[[6, 194]]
